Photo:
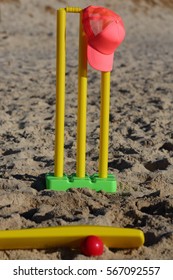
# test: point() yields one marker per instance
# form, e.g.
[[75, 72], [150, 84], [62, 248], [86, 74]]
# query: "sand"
[[141, 136]]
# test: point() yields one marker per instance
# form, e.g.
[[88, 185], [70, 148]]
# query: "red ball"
[[92, 246]]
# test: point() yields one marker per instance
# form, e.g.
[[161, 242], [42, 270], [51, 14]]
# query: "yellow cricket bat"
[[69, 236]]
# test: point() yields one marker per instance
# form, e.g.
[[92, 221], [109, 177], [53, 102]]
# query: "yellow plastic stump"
[[82, 104], [104, 124], [60, 93]]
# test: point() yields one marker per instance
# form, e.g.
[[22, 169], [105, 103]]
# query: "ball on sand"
[[92, 246]]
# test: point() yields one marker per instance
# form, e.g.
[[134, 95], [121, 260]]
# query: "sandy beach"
[[141, 127]]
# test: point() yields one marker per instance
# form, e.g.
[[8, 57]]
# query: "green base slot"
[[93, 182]]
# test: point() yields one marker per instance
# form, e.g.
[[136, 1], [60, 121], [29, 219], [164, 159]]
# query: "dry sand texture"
[[141, 135]]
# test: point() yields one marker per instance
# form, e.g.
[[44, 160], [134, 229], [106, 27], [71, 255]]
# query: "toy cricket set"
[[101, 31]]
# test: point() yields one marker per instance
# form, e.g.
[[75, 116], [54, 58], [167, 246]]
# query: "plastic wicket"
[[59, 180]]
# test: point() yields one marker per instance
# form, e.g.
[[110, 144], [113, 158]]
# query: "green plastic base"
[[93, 182]]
